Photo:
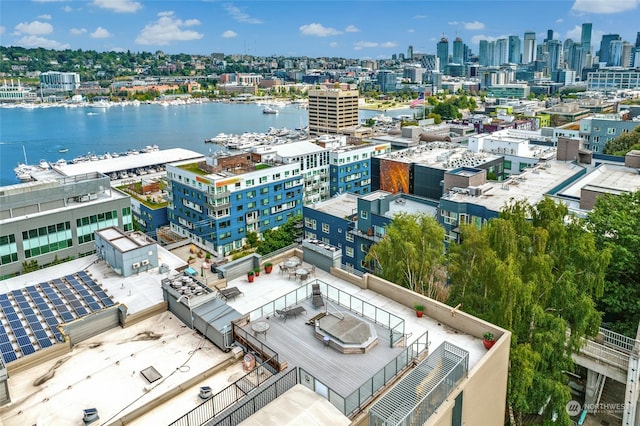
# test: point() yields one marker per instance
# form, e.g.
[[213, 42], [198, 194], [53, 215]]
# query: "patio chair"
[[282, 269], [229, 293], [290, 312], [316, 296]]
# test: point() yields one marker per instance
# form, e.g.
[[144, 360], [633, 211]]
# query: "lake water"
[[41, 133]]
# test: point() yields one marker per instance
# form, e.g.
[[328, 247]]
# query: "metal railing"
[[257, 401], [362, 308], [604, 353], [227, 397], [353, 403], [420, 393], [618, 341]]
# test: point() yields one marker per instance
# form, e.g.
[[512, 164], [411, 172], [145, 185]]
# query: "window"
[[348, 251], [363, 214], [325, 228], [349, 237]]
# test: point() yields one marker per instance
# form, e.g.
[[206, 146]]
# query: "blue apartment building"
[[353, 223], [218, 201], [350, 167], [601, 128]]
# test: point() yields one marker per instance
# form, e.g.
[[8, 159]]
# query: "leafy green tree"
[[277, 238], [615, 224], [411, 254], [534, 271], [436, 118], [624, 143], [252, 239], [446, 110]]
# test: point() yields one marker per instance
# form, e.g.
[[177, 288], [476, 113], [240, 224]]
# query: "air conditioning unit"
[[145, 262], [136, 265]]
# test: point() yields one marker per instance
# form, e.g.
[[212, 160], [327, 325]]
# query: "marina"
[[273, 136]]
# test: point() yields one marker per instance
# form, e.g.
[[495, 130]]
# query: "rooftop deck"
[[104, 371]]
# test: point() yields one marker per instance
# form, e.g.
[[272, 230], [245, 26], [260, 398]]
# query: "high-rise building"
[[410, 53], [514, 49], [554, 49], [458, 51], [529, 48], [332, 110], [502, 51], [443, 52], [605, 46], [483, 53], [430, 63], [627, 53], [615, 53], [549, 36], [585, 38], [387, 81]]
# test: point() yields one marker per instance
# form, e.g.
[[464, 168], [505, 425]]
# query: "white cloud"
[[100, 33], [420, 17], [67, 8], [77, 31], [475, 25], [604, 6], [31, 41], [411, 30], [238, 15], [34, 28], [369, 44], [351, 29], [333, 44], [120, 6], [575, 33], [318, 30], [476, 38], [559, 21], [2, 29], [47, 17], [166, 30], [229, 34]]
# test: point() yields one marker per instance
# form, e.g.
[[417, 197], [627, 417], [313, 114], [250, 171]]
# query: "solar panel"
[[9, 356], [57, 302]]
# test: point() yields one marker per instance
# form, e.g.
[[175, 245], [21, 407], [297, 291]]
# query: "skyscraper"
[[529, 48], [483, 53], [458, 51], [585, 38], [443, 52], [615, 53], [502, 51], [514, 49], [554, 49], [410, 53], [549, 36], [605, 46]]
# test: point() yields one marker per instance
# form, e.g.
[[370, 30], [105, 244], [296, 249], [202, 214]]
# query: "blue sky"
[[351, 29]]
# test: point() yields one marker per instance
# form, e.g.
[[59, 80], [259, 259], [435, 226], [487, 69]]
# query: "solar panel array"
[[30, 316]]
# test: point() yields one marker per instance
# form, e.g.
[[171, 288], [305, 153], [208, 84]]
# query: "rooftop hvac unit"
[[145, 262], [136, 265]]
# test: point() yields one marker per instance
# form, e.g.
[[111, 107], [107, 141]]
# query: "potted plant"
[[191, 260], [250, 276], [268, 267], [419, 310], [488, 340], [257, 271]]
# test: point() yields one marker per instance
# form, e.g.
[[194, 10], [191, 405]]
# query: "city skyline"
[[354, 29]]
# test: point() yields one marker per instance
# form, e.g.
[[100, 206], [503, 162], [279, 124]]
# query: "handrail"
[[606, 353]]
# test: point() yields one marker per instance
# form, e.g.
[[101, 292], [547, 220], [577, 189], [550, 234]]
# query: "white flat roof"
[[606, 177], [298, 148], [127, 162], [531, 185]]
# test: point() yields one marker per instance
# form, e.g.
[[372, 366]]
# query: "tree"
[[446, 110], [615, 224], [411, 254], [534, 271], [623, 143], [277, 238]]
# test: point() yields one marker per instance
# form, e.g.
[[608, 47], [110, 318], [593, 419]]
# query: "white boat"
[[269, 110]]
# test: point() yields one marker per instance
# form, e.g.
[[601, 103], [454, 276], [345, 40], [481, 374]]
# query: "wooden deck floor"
[[295, 343]]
